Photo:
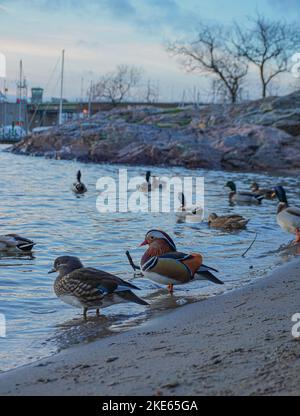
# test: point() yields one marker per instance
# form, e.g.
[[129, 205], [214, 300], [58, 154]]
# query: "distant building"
[[37, 95], [55, 100]]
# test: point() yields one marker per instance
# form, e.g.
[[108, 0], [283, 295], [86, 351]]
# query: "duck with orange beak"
[[163, 264]]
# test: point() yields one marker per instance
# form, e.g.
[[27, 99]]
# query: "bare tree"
[[116, 86], [268, 45], [150, 92], [213, 53]]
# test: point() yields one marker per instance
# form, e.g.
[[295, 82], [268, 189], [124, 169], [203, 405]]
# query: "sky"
[[98, 35]]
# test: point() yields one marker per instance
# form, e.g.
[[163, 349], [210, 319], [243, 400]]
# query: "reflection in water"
[[42, 207]]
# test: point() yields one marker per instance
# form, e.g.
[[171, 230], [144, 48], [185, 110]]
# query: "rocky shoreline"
[[261, 135]]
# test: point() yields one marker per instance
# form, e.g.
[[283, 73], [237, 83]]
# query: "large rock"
[[256, 136]]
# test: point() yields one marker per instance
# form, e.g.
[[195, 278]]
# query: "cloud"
[[286, 4]]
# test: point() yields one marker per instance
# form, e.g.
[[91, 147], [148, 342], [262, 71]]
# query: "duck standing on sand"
[[287, 217], [89, 288], [267, 193], [227, 222], [79, 187], [242, 197], [14, 242], [163, 264]]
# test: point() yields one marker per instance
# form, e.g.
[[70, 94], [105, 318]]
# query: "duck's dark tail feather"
[[26, 246], [204, 274], [131, 297]]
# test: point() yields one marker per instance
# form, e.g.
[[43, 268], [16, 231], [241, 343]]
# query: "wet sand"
[[239, 343]]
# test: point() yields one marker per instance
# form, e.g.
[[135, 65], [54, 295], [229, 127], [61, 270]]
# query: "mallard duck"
[[14, 242], [242, 197], [79, 187], [267, 193], [287, 217], [189, 214], [227, 222], [163, 264], [89, 288], [152, 183]]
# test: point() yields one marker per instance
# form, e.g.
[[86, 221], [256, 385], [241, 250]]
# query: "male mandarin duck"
[[163, 264], [287, 217], [79, 187], [243, 197], [89, 288], [267, 193], [14, 242]]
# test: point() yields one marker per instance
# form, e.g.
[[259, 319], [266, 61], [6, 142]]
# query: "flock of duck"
[[90, 288]]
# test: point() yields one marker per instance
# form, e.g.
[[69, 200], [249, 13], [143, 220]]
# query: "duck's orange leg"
[[170, 288], [297, 236]]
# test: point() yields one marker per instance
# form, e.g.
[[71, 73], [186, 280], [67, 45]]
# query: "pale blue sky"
[[100, 34]]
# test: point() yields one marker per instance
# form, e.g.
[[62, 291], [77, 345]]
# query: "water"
[[36, 202]]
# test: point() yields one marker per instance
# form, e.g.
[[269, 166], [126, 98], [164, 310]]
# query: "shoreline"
[[276, 173], [238, 343]]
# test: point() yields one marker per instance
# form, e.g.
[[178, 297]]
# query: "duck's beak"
[[144, 243], [52, 271]]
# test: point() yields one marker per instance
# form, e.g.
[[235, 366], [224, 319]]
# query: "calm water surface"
[[36, 201]]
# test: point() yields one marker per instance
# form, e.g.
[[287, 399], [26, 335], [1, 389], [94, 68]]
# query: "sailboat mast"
[[61, 88], [20, 92]]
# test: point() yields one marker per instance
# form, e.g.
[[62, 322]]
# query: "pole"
[[90, 99], [61, 88], [20, 93]]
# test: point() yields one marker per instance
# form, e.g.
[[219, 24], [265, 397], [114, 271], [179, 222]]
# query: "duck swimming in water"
[[79, 187], [242, 197], [267, 193], [288, 217], [227, 222], [14, 242]]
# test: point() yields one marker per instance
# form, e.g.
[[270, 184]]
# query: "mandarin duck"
[[163, 264], [89, 288]]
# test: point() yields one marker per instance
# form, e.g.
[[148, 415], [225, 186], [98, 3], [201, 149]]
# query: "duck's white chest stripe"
[[158, 278]]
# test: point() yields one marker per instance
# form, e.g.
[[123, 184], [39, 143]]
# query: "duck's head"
[[66, 264], [158, 236], [212, 217], [181, 198], [79, 176], [254, 186], [148, 176], [281, 195], [231, 186]]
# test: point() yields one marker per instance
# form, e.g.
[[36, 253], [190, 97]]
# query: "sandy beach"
[[239, 343]]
